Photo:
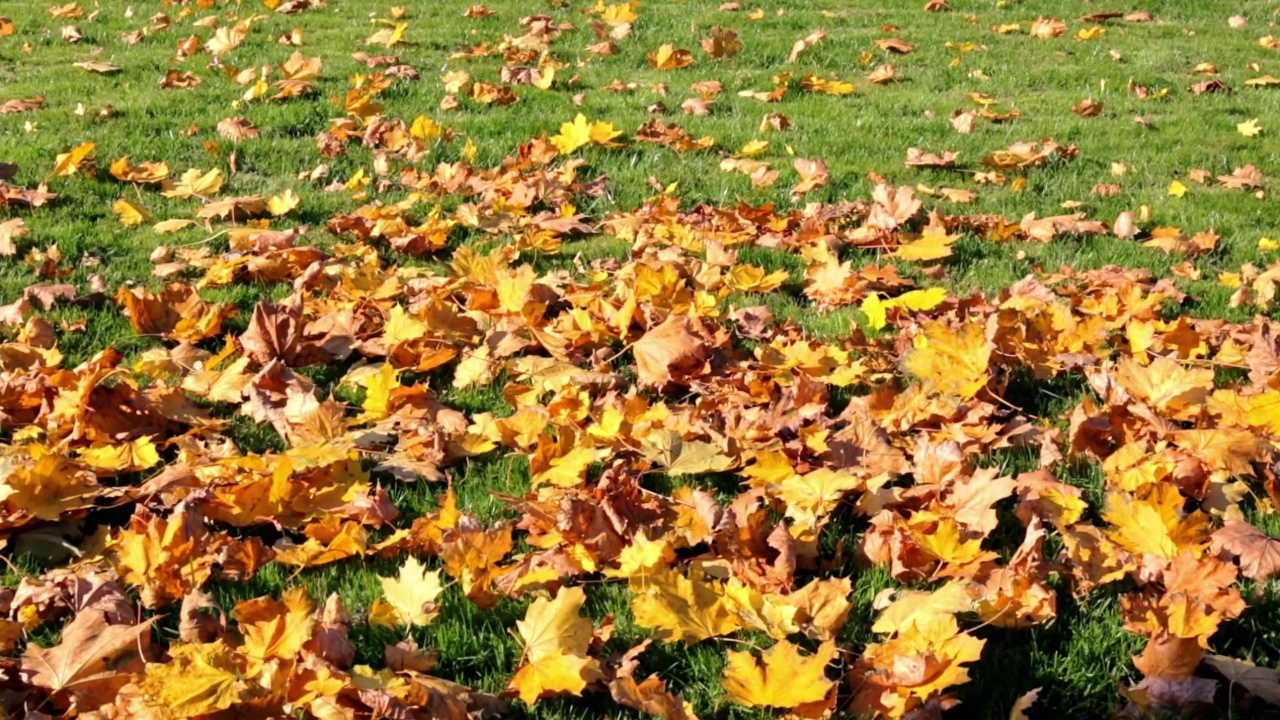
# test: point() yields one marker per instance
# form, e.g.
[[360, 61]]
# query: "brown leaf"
[[919, 158], [669, 351], [195, 625], [49, 295], [885, 73], [98, 67], [10, 231], [1087, 108], [1263, 683], [805, 43], [237, 129], [650, 696], [895, 45], [1209, 86], [91, 663], [18, 105], [1258, 553], [1167, 656], [722, 43]]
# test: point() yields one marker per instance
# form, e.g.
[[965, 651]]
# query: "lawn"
[[558, 359]]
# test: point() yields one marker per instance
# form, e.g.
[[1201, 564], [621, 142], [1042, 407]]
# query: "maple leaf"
[[130, 214], [722, 43], [274, 628], [805, 43], [555, 640], [1151, 521], [171, 226], [71, 162], [147, 172], [884, 73], [194, 183], [225, 39], [669, 350], [919, 158], [98, 67], [950, 360], [680, 608], [667, 57], [91, 663], [198, 679], [413, 593], [1166, 385], [284, 203], [10, 231], [238, 129], [1249, 128], [1258, 553], [934, 244], [813, 175], [822, 607], [1046, 28], [1263, 683], [812, 496], [177, 312], [815, 84], [895, 45], [650, 695], [783, 678], [581, 132], [1087, 108]]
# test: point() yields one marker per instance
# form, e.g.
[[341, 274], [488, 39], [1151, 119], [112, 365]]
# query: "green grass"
[[1082, 657]]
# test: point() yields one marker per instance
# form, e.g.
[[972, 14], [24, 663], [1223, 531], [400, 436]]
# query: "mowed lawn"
[[1148, 112]]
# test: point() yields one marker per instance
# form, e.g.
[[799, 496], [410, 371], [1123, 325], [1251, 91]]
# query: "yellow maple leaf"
[[784, 678], [284, 203], [573, 135], [199, 679], [753, 278], [581, 132], [875, 310], [194, 183], [569, 469], [930, 246], [1177, 189], [555, 639], [273, 628], [130, 214], [1151, 521], [667, 57], [413, 593], [147, 172], [172, 225], [680, 608], [1249, 128], [920, 607], [943, 538], [68, 163], [811, 497], [138, 454], [642, 557], [951, 360], [1166, 385], [378, 387]]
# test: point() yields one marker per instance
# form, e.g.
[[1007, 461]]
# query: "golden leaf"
[[783, 678], [555, 640]]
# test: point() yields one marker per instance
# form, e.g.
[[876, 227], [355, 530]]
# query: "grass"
[[1081, 657]]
